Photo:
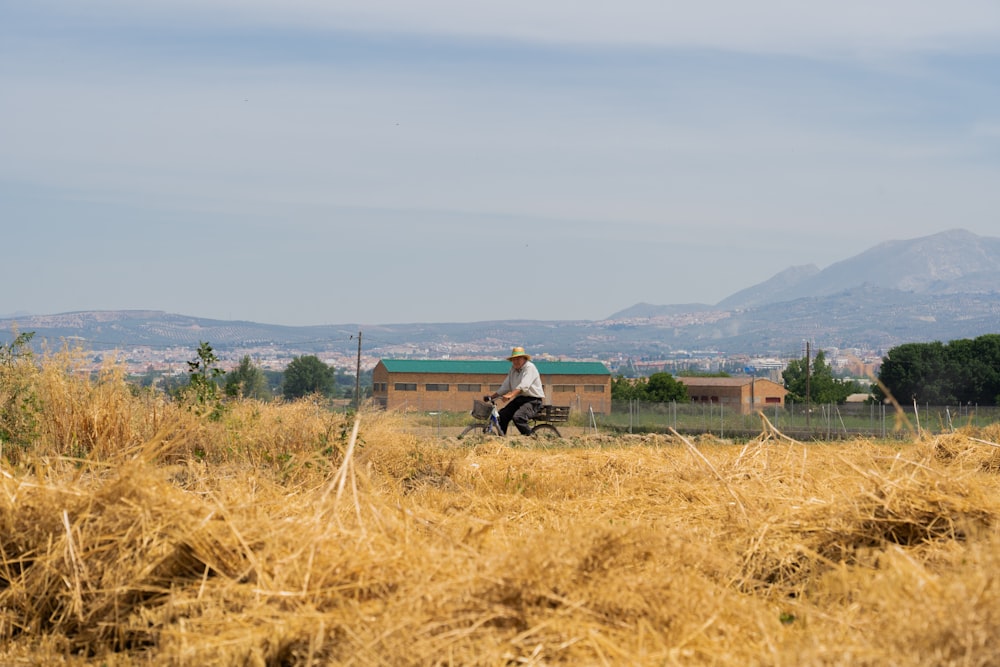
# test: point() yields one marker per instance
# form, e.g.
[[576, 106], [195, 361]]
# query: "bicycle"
[[487, 410], [484, 410]]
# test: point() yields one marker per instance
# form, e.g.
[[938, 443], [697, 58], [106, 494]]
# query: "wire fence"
[[802, 422], [813, 422]]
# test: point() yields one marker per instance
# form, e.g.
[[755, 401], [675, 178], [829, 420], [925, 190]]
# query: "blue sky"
[[375, 161]]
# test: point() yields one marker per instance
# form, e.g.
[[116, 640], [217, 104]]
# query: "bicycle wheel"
[[481, 429], [545, 430], [494, 429]]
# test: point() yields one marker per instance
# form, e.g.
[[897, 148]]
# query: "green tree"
[[627, 389], [823, 387], [308, 375], [973, 369], [963, 371], [663, 388], [247, 380], [657, 388], [17, 351], [202, 390], [20, 406]]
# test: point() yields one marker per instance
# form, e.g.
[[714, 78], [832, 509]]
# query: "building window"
[[380, 387], [406, 386], [436, 387], [593, 388], [470, 387], [563, 388], [494, 387]]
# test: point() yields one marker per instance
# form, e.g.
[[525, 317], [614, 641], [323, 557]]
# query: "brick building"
[[451, 385], [746, 394]]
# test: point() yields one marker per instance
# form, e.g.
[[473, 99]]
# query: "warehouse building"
[[744, 394], [452, 385]]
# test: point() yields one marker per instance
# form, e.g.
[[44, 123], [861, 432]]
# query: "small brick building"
[[746, 394], [452, 385]]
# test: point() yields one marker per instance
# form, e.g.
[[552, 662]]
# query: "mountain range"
[[940, 287], [952, 262]]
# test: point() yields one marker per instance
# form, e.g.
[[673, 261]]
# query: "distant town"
[[855, 363]]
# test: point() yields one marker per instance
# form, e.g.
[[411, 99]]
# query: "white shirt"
[[527, 379]]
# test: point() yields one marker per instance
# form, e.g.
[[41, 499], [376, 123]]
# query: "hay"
[[284, 535], [576, 557]]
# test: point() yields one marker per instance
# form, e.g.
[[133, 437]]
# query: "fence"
[[819, 421]]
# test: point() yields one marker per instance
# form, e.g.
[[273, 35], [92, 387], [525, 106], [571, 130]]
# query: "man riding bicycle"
[[522, 388]]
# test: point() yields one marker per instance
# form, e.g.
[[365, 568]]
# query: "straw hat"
[[518, 352]]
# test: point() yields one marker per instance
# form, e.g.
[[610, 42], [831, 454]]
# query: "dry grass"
[[138, 533]]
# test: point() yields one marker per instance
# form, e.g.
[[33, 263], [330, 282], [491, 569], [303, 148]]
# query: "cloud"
[[317, 136], [771, 26]]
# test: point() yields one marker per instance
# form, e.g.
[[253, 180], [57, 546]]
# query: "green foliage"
[[663, 388], [160, 381], [626, 389], [247, 380], [274, 381], [345, 384], [657, 388], [823, 387], [17, 350], [202, 391], [962, 371], [308, 375], [20, 406], [147, 380]]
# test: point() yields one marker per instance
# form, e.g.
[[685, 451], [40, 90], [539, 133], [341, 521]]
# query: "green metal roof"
[[472, 367]]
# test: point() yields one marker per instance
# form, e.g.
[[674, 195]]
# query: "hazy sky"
[[381, 161]]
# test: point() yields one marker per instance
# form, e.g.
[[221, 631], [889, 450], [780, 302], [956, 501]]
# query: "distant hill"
[[951, 262], [766, 292], [124, 328], [940, 287]]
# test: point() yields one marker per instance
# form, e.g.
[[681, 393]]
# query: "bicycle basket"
[[481, 410]]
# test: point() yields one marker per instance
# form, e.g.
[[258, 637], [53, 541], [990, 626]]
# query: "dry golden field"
[[135, 531]]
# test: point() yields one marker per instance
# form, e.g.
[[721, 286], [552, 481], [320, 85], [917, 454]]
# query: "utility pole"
[[808, 397], [357, 378]]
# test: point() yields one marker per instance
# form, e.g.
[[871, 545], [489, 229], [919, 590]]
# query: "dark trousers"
[[519, 410]]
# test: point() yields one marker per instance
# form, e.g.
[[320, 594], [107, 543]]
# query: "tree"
[[627, 389], [308, 375], [963, 371], [247, 380], [20, 405], [973, 369], [905, 367], [202, 389], [657, 388], [823, 386], [663, 388]]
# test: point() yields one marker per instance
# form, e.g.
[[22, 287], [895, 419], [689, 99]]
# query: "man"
[[522, 389]]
